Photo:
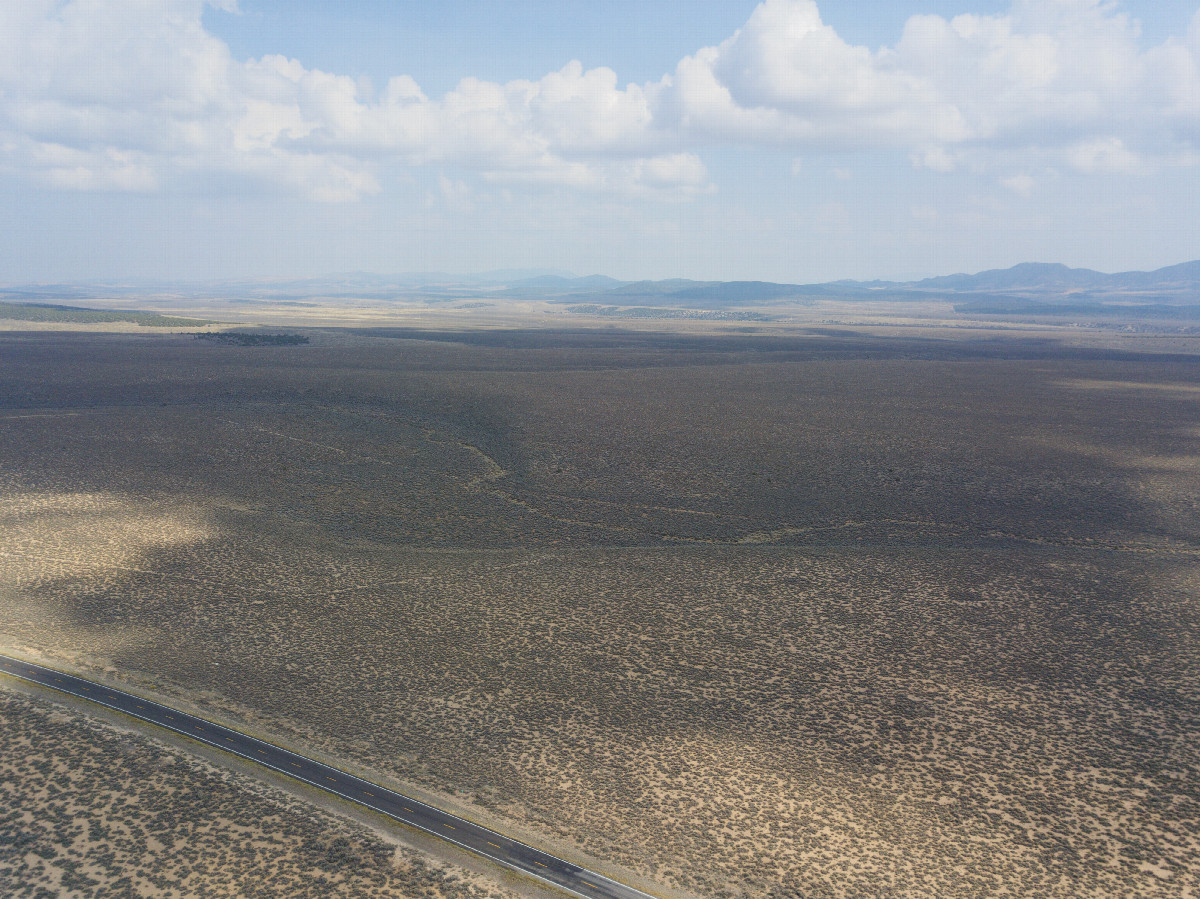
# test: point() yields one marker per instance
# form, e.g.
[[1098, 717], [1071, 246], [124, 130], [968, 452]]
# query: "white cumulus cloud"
[[127, 94]]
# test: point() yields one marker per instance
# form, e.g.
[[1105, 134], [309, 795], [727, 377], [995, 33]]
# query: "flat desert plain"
[[91, 810], [763, 612]]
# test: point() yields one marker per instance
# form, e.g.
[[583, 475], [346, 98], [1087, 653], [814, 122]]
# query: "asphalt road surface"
[[497, 847]]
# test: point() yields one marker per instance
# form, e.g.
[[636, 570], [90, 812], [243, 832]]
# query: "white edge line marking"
[[504, 862]]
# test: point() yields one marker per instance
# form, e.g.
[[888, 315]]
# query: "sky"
[[788, 140]]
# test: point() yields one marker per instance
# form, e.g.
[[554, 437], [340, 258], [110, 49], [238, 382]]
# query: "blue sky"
[[789, 140]]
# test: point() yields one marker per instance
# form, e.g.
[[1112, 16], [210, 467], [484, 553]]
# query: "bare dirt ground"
[[89, 810], [819, 612]]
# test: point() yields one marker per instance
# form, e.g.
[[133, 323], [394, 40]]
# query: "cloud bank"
[[131, 95]]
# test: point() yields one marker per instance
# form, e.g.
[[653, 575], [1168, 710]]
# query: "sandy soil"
[[87, 809]]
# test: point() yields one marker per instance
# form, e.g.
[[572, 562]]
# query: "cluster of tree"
[[245, 338]]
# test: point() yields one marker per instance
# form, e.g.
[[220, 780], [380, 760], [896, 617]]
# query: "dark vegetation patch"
[[252, 338], [44, 312], [515, 349]]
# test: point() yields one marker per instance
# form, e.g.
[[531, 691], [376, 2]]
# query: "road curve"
[[465, 834]]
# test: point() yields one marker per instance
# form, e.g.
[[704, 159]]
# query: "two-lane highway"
[[466, 834]]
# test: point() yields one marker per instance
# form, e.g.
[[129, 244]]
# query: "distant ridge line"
[[1174, 285]]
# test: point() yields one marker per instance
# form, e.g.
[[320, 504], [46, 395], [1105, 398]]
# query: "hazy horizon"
[[494, 276]]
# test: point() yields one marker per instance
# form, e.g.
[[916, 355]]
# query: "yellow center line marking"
[[451, 826], [407, 809], [369, 794], [327, 777], [260, 752], [295, 765], [229, 739], [490, 843], [539, 863], [141, 706]]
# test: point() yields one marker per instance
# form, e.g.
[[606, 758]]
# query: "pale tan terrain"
[[764, 615], [87, 809]]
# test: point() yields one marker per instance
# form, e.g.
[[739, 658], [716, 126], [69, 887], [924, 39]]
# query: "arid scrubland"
[[810, 613], [89, 810]]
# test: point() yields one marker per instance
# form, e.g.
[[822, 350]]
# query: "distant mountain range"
[[1026, 286], [1041, 277], [674, 292], [1026, 289]]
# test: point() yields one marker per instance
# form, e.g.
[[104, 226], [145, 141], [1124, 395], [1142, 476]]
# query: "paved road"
[[413, 812]]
